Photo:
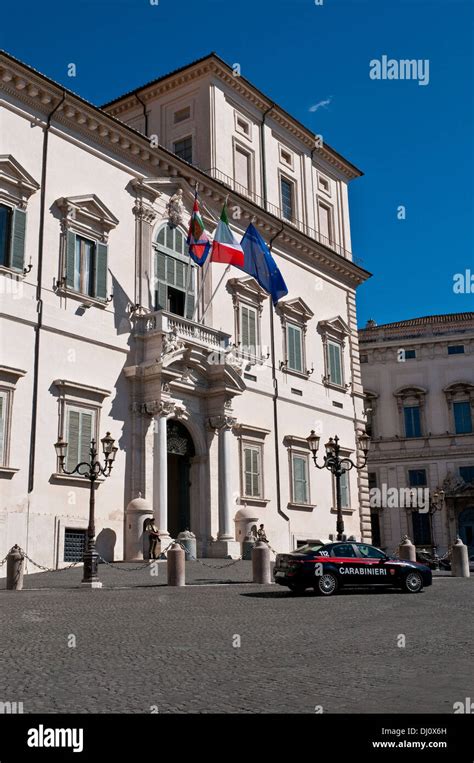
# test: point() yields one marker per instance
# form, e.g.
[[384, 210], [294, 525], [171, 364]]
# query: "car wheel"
[[413, 583], [297, 588], [327, 584]]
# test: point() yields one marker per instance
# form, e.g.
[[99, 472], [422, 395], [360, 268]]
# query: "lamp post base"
[[91, 563]]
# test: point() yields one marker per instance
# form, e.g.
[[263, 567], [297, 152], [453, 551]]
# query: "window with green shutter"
[[294, 336], [248, 330], [252, 471], [12, 237], [80, 429], [300, 479], [334, 361], [174, 277], [86, 266], [345, 494]]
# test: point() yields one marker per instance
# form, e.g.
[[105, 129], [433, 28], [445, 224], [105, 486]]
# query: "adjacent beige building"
[[106, 324], [418, 378]]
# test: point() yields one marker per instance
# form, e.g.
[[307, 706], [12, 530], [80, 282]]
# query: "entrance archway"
[[466, 527], [180, 449]]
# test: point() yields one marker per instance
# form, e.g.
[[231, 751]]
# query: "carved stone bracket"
[[143, 211], [222, 422]]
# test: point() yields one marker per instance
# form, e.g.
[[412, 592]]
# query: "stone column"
[[225, 484], [160, 468], [226, 544]]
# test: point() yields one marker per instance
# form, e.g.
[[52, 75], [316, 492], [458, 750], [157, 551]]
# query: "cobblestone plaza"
[[138, 646]]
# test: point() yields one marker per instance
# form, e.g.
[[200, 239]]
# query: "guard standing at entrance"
[[153, 539]]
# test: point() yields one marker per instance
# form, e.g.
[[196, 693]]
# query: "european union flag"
[[259, 263]]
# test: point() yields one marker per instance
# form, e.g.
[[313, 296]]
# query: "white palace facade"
[[418, 377], [106, 324]]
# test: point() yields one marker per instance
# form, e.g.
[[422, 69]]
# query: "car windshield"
[[309, 548]]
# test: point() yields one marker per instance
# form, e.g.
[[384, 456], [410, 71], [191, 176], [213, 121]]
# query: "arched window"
[[174, 273]]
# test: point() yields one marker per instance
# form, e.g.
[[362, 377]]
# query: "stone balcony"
[[164, 331]]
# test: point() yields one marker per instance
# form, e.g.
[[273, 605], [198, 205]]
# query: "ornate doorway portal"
[[180, 449]]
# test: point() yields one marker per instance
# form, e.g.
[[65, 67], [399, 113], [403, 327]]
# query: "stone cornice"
[[133, 148]]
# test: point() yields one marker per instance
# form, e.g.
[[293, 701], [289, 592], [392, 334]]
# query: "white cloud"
[[321, 104]]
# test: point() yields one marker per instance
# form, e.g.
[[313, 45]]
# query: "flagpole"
[[188, 272], [214, 292], [201, 286]]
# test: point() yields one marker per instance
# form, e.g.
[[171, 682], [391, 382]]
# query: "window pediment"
[[248, 289], [334, 327], [81, 391], [295, 309], [464, 388], [414, 391], [88, 214], [16, 184]]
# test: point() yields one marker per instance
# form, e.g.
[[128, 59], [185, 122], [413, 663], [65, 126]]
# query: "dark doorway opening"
[[180, 451]]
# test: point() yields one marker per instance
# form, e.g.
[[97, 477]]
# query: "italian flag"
[[225, 247]]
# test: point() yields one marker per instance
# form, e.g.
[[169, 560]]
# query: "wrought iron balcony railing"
[[279, 212]]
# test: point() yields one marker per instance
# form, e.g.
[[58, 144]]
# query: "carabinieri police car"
[[326, 567]]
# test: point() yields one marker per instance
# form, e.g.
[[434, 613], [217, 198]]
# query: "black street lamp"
[[337, 466], [91, 471]]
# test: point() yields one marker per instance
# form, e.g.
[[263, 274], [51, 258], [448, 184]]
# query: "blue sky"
[[414, 143]]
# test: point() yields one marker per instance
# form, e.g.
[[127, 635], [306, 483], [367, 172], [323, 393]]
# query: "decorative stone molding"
[[462, 391], [81, 391], [87, 215], [172, 342], [222, 422], [16, 184], [247, 290], [144, 211], [294, 311], [9, 376]]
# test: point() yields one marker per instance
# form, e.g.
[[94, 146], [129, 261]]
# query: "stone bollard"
[[261, 563], [460, 560], [176, 558], [407, 550], [15, 569], [247, 546]]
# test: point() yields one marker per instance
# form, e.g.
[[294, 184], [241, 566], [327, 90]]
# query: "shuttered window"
[[411, 414], [300, 479], [80, 429], [12, 237], [86, 266], [3, 427], [334, 361], [252, 471], [248, 330], [174, 276], [294, 336], [345, 493], [462, 417]]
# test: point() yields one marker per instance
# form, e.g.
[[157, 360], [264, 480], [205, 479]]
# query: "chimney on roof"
[[371, 324]]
